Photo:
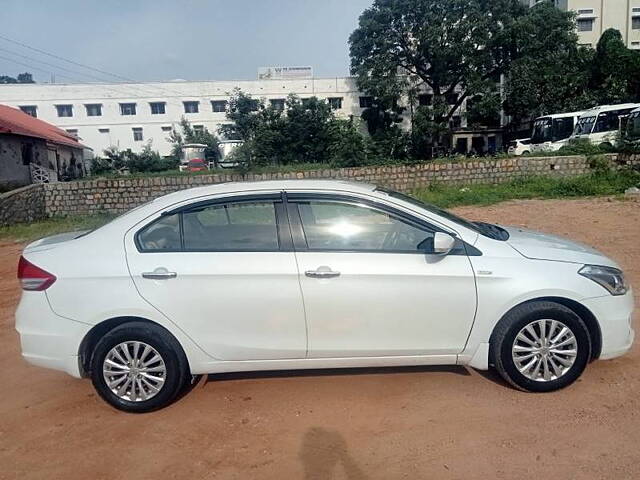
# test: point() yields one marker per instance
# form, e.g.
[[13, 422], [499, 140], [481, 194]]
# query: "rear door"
[[224, 272]]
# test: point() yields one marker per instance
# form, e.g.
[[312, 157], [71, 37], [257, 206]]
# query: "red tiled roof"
[[17, 122]]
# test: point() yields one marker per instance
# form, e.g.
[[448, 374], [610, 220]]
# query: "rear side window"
[[241, 226], [229, 227], [161, 235]]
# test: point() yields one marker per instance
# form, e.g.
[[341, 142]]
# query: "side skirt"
[[313, 363]]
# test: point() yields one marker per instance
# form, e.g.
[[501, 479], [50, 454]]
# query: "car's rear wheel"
[[541, 346], [138, 367]]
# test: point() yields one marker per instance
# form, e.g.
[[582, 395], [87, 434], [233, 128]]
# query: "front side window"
[[240, 226], [65, 110], [334, 225], [191, 107], [562, 128]]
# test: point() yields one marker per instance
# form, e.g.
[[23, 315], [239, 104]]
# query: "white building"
[[595, 16], [129, 115]]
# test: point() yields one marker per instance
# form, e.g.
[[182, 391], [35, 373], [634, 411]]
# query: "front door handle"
[[160, 273], [322, 272]]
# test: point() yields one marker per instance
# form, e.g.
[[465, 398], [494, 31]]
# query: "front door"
[[226, 275], [370, 290]]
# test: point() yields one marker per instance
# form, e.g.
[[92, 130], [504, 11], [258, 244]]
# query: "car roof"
[[266, 185]]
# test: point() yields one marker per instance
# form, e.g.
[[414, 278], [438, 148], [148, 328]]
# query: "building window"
[[425, 99], [335, 103], [456, 121], [72, 131], [366, 102], [157, 108], [65, 110], [27, 153], [198, 128], [191, 107], [94, 109], [166, 128], [277, 103], [29, 110], [635, 23], [585, 11], [103, 130], [585, 24], [219, 106], [137, 134], [127, 109]]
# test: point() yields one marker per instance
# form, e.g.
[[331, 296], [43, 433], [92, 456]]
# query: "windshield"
[[486, 229], [541, 131], [584, 125]]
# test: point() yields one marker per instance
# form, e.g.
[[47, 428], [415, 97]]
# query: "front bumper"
[[615, 317], [48, 340]]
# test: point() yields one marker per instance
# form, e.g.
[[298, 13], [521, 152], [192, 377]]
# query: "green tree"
[[188, 134], [614, 72], [458, 48]]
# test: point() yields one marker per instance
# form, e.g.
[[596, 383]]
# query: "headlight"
[[610, 278]]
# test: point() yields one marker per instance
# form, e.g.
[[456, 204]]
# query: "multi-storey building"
[[129, 115], [595, 16]]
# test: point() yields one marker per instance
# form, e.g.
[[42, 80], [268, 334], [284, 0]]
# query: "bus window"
[[609, 121], [633, 126], [584, 125], [562, 128], [541, 131]]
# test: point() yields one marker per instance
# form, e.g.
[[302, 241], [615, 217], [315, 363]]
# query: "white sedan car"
[[312, 274]]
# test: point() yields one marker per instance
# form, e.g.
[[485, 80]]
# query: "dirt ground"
[[416, 423]]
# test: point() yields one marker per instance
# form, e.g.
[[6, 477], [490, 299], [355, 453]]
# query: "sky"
[[158, 40]]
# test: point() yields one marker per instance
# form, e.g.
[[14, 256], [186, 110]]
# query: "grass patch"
[[606, 183], [25, 232]]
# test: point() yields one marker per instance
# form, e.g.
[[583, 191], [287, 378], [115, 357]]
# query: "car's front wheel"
[[138, 367], [541, 346]]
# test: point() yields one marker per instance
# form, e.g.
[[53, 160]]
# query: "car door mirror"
[[442, 243]]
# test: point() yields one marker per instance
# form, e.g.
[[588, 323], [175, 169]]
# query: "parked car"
[[519, 146], [312, 274]]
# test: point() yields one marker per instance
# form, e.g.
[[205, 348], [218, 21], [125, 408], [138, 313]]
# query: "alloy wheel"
[[544, 350], [134, 371]]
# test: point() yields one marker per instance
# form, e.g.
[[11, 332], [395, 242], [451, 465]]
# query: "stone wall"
[[120, 195], [22, 205]]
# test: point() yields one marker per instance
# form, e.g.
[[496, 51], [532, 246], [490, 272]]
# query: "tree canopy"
[[25, 77]]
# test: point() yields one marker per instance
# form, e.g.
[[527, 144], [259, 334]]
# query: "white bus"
[[551, 132], [600, 125], [630, 128]]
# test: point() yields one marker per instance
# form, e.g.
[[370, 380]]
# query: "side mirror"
[[442, 243]]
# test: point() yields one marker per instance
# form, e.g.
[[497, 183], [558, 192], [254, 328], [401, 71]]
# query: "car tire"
[[139, 367], [548, 334]]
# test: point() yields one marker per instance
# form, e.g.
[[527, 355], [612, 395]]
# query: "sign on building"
[[284, 73]]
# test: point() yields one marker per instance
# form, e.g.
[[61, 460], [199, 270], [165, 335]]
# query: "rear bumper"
[[48, 340], [615, 316]]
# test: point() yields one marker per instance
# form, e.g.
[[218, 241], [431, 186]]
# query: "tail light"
[[32, 277]]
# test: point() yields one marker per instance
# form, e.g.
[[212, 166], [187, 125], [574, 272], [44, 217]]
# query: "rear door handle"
[[322, 272], [159, 274]]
